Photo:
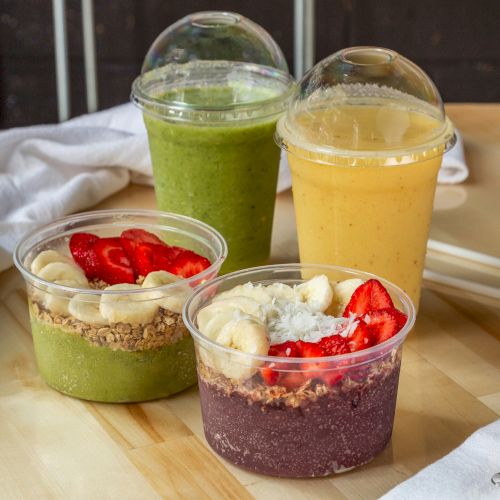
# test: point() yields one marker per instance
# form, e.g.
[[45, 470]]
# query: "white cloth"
[[47, 171], [454, 169], [465, 473]]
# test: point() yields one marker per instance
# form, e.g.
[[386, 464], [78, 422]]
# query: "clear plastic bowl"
[[82, 353], [315, 429]]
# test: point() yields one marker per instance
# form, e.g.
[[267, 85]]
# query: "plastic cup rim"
[[283, 137], [379, 349], [28, 275], [141, 99]]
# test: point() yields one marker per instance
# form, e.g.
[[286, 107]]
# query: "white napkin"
[[48, 171], [465, 473], [454, 169]]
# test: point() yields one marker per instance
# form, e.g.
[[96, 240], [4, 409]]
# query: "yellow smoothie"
[[370, 206]]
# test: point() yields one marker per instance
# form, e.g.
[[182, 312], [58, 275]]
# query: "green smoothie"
[[72, 365], [224, 175]]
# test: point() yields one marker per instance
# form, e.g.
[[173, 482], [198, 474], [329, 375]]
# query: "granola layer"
[[166, 328], [255, 391]]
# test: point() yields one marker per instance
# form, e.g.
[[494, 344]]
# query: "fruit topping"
[[132, 237], [135, 253], [187, 264], [286, 350], [362, 337], [81, 246], [385, 323], [334, 344], [269, 375], [114, 265], [369, 296], [300, 329]]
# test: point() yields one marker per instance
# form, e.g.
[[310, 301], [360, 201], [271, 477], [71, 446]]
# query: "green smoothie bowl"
[[105, 295]]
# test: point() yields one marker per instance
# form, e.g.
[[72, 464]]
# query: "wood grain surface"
[[53, 446]]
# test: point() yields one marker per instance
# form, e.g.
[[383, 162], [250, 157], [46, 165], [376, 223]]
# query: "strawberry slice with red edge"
[[188, 264], [114, 265], [81, 246], [285, 350], [269, 376], [142, 260], [362, 337], [147, 252], [319, 369], [132, 237], [385, 323], [334, 344], [292, 379], [369, 296]]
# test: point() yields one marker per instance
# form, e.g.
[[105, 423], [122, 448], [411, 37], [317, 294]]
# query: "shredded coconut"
[[288, 321]]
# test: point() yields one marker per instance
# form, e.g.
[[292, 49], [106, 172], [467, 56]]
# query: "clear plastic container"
[[136, 348], [341, 417], [211, 89], [365, 133]]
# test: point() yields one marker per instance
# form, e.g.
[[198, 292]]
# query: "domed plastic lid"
[[365, 102], [211, 67]]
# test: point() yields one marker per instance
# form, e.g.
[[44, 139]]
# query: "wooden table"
[[52, 446]]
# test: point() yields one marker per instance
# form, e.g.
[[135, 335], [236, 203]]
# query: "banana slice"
[[159, 278], [63, 271], [247, 335], [128, 308], [57, 301], [214, 325], [316, 293], [46, 257], [259, 293], [59, 273], [342, 293], [244, 304], [172, 299], [86, 308], [281, 291]]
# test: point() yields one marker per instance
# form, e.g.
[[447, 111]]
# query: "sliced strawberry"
[[369, 296], [114, 265], [135, 236], [285, 350], [188, 264], [312, 370], [334, 344], [362, 337], [331, 377], [269, 375], [142, 259], [309, 349], [385, 323], [292, 379], [81, 246]]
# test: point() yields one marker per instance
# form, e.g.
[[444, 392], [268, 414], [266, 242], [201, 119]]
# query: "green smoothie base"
[[224, 175], [74, 366]]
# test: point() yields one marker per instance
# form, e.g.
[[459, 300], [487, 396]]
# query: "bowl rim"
[[370, 354], [87, 216]]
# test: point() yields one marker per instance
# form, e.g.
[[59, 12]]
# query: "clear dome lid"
[[365, 102], [210, 67]]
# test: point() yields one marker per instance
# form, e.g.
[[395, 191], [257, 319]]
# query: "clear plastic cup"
[[211, 89], [365, 134], [140, 350], [340, 413]]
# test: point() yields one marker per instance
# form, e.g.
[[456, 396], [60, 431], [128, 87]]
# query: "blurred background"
[[456, 41]]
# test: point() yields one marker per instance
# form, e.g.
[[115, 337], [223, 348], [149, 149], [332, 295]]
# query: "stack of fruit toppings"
[[116, 264], [310, 320], [133, 255]]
